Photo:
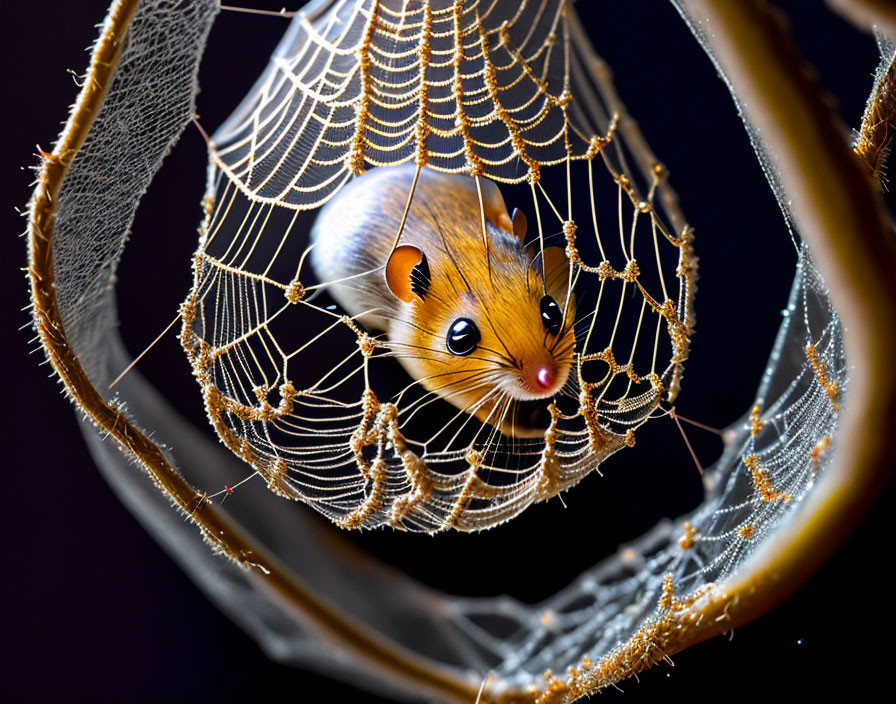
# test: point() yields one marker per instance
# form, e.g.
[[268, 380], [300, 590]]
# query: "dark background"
[[94, 610]]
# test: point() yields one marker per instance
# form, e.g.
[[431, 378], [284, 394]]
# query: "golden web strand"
[[479, 87], [300, 391]]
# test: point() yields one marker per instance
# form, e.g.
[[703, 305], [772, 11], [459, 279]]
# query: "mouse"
[[485, 323]]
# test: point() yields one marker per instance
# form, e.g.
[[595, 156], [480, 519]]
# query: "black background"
[[92, 608]]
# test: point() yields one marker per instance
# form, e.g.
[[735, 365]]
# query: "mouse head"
[[484, 330]]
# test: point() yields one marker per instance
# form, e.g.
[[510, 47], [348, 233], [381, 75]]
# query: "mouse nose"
[[545, 377], [541, 379]]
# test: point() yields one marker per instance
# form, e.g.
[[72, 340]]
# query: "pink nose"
[[545, 378]]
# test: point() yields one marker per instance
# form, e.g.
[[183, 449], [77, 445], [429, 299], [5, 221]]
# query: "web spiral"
[[499, 91]]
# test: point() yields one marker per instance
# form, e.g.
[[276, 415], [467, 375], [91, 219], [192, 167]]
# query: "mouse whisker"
[[492, 443], [482, 377], [432, 397], [421, 380], [503, 403], [445, 356], [359, 275], [484, 423], [469, 409], [569, 394], [508, 363], [471, 376], [514, 441], [563, 337], [564, 350], [395, 319]]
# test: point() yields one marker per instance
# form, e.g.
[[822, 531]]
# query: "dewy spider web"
[[497, 90], [615, 619]]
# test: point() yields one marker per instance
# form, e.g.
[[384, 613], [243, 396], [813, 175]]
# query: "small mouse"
[[475, 327]]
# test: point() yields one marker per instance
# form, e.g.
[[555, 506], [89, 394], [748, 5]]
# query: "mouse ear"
[[407, 273], [520, 224], [493, 204], [556, 270]]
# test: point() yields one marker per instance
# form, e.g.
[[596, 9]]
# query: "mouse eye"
[[463, 336], [551, 315]]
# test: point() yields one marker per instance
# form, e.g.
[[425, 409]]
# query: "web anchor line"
[[145, 350], [687, 442], [251, 11]]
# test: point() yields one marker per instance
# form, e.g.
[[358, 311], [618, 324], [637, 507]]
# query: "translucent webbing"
[[165, 38]]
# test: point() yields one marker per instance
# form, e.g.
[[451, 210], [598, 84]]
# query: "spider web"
[[497, 90], [600, 627]]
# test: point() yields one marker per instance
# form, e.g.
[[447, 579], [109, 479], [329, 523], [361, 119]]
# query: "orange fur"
[[500, 290]]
